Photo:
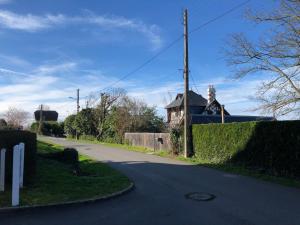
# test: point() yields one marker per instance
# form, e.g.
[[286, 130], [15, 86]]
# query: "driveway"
[[160, 196]]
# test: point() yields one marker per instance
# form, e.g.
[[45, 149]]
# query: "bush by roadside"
[[49, 128], [270, 147], [9, 138]]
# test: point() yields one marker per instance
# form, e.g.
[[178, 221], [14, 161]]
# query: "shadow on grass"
[[238, 164], [55, 181]]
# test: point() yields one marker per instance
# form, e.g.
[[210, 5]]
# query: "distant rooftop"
[[48, 115], [194, 100]]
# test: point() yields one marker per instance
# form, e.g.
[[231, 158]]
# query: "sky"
[[50, 48]]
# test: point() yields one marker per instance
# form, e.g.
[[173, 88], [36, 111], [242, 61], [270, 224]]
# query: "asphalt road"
[[159, 196]]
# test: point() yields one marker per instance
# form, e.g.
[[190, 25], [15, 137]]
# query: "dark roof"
[[47, 115], [203, 119], [215, 102], [194, 100]]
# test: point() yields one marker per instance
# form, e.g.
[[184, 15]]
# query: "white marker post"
[[22, 149], [16, 176], [2, 169]]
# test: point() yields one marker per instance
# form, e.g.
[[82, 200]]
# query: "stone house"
[[203, 110]]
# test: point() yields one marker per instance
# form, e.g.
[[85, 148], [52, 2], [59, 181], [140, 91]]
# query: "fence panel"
[[155, 141]]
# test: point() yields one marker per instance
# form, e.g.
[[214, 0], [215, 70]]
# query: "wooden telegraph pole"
[[187, 140], [41, 120], [78, 107]]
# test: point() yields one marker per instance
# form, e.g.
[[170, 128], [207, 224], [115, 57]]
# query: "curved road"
[[159, 196]]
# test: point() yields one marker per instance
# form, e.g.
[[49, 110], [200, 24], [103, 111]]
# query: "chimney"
[[211, 92]]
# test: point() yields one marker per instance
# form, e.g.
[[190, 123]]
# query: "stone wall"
[[155, 141]]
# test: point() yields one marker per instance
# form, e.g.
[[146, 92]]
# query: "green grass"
[[55, 183], [122, 146], [223, 167]]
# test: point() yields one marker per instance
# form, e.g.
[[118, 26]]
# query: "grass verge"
[[55, 182], [240, 170], [223, 167]]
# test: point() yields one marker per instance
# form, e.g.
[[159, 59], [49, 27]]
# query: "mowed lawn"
[[55, 182]]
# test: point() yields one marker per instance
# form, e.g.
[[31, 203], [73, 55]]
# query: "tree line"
[[108, 116]]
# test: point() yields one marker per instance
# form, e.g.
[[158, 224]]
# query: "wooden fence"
[[155, 141]]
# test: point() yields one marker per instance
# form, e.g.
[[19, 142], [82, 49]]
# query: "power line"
[[172, 44], [220, 16], [146, 62], [194, 83]]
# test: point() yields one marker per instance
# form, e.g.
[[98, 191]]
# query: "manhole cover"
[[200, 196]]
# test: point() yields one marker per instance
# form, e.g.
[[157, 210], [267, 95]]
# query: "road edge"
[[69, 203]]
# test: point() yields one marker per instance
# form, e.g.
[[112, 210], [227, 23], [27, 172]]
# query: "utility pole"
[[187, 140], [78, 106], [41, 120]]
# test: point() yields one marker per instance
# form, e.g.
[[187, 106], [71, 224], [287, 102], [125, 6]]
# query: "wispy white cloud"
[[56, 68], [44, 85], [28, 85], [33, 23], [13, 60], [150, 31], [27, 22], [4, 72]]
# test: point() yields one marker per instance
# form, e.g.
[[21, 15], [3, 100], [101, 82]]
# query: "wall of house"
[[155, 141], [175, 117]]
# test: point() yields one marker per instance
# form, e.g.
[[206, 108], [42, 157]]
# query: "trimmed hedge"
[[10, 138], [49, 128], [273, 147]]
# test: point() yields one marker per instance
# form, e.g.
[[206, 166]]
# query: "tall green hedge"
[[8, 139], [49, 128], [271, 146]]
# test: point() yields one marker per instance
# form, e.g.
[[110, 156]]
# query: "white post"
[[2, 169], [16, 176], [22, 149]]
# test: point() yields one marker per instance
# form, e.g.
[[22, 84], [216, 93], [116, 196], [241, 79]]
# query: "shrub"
[[70, 155], [3, 124], [49, 128], [10, 138], [69, 126], [271, 146], [175, 137]]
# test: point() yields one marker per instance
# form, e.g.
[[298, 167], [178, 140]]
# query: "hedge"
[[49, 128], [8, 139], [273, 147]]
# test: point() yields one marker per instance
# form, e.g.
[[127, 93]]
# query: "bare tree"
[[91, 100], [15, 117], [276, 56], [107, 100], [168, 98]]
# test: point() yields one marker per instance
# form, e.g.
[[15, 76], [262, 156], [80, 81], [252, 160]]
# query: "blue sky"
[[50, 48]]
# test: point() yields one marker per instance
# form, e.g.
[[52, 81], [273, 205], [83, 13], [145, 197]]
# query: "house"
[[48, 115], [203, 110]]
